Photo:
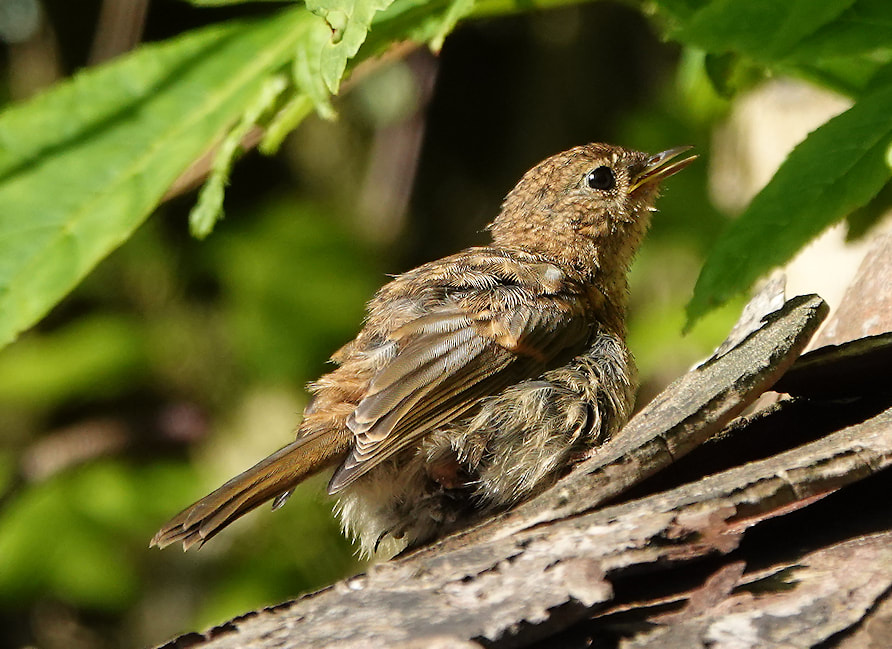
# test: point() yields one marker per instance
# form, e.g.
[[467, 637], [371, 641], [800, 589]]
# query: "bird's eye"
[[601, 178]]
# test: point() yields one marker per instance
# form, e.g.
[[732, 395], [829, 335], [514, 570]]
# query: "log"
[[685, 561]]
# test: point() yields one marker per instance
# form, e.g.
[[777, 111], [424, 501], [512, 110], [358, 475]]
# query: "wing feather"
[[474, 343], [369, 420]]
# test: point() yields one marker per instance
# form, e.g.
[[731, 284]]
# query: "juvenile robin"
[[479, 378]]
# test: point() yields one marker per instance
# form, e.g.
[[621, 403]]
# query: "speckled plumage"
[[476, 379]]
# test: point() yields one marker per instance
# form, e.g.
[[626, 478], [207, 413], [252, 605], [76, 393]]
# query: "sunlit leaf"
[[220, 3], [209, 208], [458, 9], [838, 43], [285, 121], [307, 69], [349, 21], [772, 29], [838, 168], [864, 27], [82, 165]]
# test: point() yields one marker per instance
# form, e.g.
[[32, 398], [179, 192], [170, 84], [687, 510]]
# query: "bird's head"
[[588, 207]]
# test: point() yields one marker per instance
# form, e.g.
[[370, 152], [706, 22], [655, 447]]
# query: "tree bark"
[[787, 542]]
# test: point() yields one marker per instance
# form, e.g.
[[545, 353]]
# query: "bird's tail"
[[269, 478]]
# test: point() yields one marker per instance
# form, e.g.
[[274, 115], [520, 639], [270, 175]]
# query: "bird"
[[477, 380]]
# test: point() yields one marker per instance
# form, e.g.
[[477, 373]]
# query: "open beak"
[[660, 166]]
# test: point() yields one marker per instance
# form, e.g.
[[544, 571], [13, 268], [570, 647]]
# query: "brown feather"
[[267, 479]]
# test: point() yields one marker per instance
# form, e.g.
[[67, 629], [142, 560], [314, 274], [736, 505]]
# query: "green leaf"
[[209, 208], [220, 3], [349, 21], [849, 75], [730, 73], [283, 122], [837, 43], [84, 164], [680, 10], [864, 218], [307, 69], [458, 9], [865, 27], [838, 168], [766, 30]]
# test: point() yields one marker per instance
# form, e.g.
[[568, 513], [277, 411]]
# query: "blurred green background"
[[179, 363]]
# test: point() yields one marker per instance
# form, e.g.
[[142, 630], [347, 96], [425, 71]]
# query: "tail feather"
[[271, 477]]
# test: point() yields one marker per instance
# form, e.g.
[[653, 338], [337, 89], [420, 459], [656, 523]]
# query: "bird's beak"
[[659, 167]]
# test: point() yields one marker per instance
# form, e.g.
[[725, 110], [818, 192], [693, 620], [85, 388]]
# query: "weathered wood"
[[544, 578], [866, 307], [875, 629], [552, 561], [830, 590]]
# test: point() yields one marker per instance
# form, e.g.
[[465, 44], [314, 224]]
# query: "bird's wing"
[[461, 350]]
